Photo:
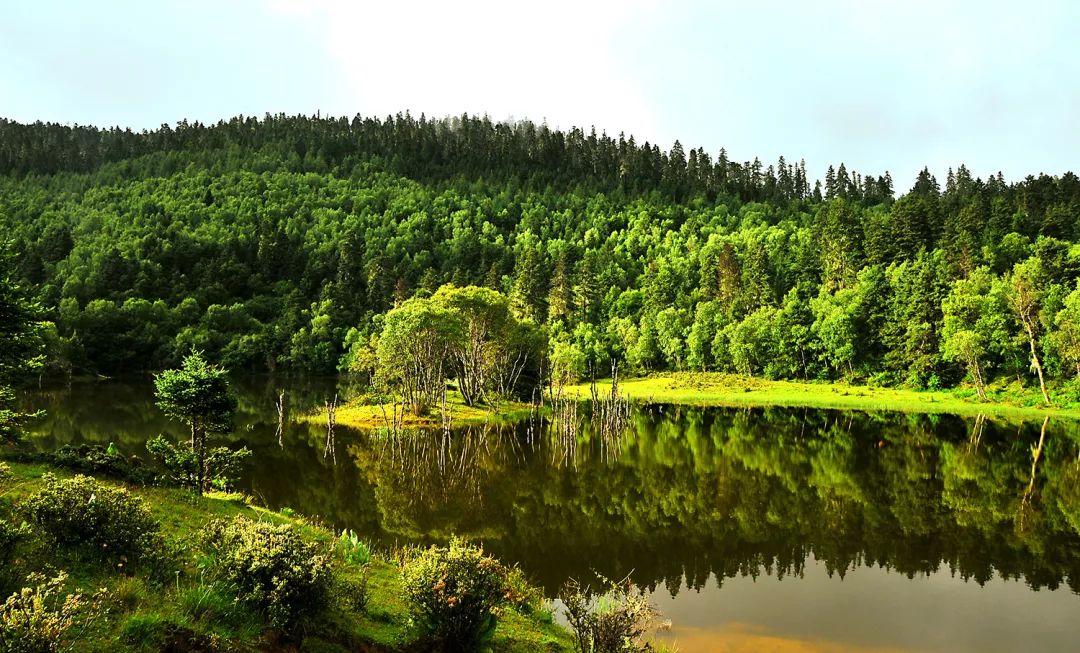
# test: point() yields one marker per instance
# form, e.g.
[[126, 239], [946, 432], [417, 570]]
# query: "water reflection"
[[891, 519]]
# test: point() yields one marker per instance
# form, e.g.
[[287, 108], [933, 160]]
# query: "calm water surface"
[[756, 530]]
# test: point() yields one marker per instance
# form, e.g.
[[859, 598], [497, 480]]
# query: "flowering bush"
[[454, 593]]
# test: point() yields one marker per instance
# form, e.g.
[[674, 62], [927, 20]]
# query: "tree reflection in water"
[[682, 497]]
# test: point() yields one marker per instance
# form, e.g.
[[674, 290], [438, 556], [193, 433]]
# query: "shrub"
[[181, 463], [270, 568], [454, 593], [5, 472], [525, 597], [109, 521], [96, 460], [611, 622], [9, 537], [36, 619]]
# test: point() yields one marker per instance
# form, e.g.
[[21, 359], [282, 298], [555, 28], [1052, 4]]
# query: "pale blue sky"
[[879, 86]]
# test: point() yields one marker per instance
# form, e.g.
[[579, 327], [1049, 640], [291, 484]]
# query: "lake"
[[755, 530]]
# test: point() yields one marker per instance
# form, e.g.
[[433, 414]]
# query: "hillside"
[[278, 243]]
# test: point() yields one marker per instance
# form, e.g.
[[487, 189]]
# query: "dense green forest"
[[280, 243]]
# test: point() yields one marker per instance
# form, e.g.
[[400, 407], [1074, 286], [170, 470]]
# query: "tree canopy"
[[20, 346], [282, 242]]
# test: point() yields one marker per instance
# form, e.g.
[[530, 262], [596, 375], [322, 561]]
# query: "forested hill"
[[277, 243]]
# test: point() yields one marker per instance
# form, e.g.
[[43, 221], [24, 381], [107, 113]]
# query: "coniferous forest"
[[280, 243]]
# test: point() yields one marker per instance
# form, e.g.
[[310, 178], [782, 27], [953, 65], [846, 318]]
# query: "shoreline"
[[708, 389], [361, 415]]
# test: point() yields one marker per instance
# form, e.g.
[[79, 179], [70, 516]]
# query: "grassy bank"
[[713, 389], [181, 608], [364, 413]]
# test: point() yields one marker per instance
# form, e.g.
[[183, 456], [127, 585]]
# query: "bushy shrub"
[[612, 621], [525, 597], [271, 568], [454, 593], [5, 472], [40, 619], [1068, 392], [9, 537], [222, 465], [96, 460], [109, 521]]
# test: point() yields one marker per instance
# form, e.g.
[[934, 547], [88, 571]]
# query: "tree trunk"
[[978, 380], [1030, 328], [201, 456]]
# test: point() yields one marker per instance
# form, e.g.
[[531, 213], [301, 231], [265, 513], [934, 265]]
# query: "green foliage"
[[96, 460], [197, 394], [352, 549], [270, 568], [454, 592], [568, 362], [142, 246], [107, 522], [521, 594], [41, 619], [20, 346], [9, 538], [414, 349], [469, 334], [221, 466], [612, 621]]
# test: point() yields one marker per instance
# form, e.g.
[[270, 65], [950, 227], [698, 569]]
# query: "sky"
[[877, 85]]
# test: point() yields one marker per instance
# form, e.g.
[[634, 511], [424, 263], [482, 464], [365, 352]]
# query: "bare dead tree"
[[1024, 301], [1036, 454], [611, 412], [331, 422], [279, 404], [446, 412], [977, 432]]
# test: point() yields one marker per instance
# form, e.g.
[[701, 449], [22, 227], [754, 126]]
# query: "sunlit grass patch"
[[716, 389]]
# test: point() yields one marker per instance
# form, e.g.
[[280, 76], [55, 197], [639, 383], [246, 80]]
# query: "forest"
[[288, 242]]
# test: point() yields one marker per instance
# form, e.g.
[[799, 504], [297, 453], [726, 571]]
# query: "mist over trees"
[[282, 242]]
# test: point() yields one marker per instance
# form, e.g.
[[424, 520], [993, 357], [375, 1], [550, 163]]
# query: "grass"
[[364, 415], [185, 611], [715, 389]]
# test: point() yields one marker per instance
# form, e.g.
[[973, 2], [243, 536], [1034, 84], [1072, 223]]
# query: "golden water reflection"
[[743, 638], [869, 610]]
